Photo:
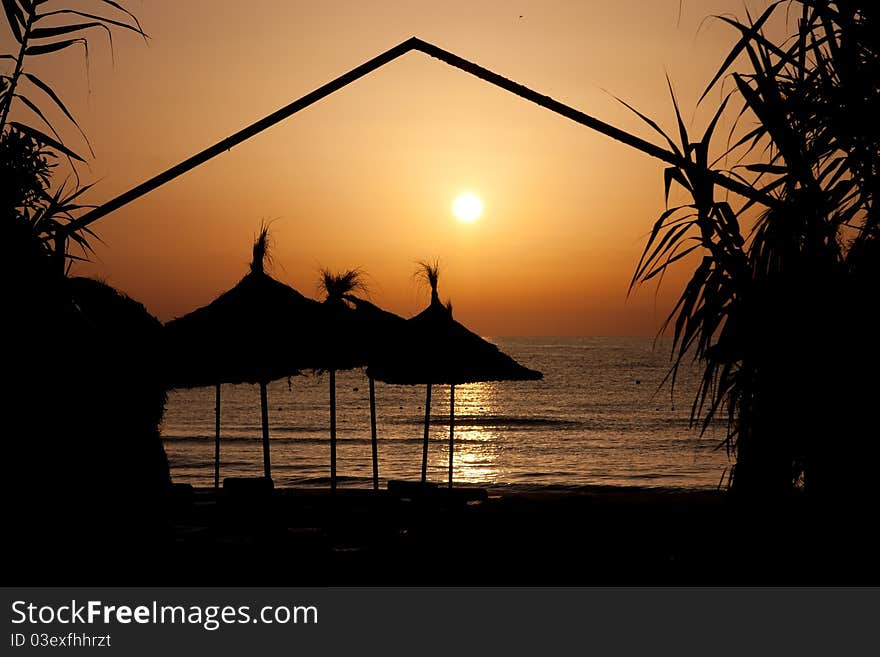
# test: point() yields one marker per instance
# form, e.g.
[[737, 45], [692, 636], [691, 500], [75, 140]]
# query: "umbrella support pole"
[[373, 433], [333, 430], [264, 408], [217, 438], [427, 431], [451, 428]]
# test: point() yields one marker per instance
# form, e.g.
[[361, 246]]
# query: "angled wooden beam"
[[242, 135], [579, 117], [544, 101], [368, 67]]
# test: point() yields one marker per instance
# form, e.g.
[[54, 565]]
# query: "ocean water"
[[599, 417]]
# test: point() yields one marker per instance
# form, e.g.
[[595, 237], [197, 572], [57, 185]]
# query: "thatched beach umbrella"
[[342, 342], [256, 332], [352, 331], [435, 349]]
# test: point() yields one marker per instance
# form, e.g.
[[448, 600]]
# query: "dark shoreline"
[[594, 536]]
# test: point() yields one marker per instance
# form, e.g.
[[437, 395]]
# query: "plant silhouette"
[[769, 312]]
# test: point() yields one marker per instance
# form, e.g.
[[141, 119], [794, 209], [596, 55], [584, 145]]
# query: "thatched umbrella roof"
[[377, 328], [343, 343], [434, 348], [256, 332]]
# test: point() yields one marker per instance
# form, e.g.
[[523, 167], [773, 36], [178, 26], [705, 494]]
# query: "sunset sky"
[[367, 177]]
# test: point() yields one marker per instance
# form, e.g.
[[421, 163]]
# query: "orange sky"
[[365, 178]]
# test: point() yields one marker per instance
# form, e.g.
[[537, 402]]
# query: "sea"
[[602, 415]]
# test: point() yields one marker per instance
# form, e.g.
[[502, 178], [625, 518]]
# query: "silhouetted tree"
[[781, 315], [85, 473]]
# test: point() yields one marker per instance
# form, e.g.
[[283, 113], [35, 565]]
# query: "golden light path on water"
[[476, 448]]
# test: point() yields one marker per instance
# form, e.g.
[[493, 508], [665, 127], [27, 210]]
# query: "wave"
[[494, 421], [304, 441]]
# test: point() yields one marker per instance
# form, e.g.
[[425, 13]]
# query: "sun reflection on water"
[[478, 447]]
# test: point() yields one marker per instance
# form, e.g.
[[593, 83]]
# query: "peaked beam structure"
[[368, 67]]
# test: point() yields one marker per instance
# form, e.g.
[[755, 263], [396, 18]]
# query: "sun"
[[467, 207]]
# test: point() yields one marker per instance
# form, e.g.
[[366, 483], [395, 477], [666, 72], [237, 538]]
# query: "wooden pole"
[[217, 438], [427, 430], [333, 430], [373, 433], [264, 407], [451, 428]]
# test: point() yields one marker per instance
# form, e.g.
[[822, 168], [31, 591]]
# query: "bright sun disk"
[[467, 207]]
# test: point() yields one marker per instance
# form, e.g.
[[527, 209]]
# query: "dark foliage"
[[781, 316]]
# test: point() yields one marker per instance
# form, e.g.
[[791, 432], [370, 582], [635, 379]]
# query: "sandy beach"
[[248, 535], [552, 536]]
